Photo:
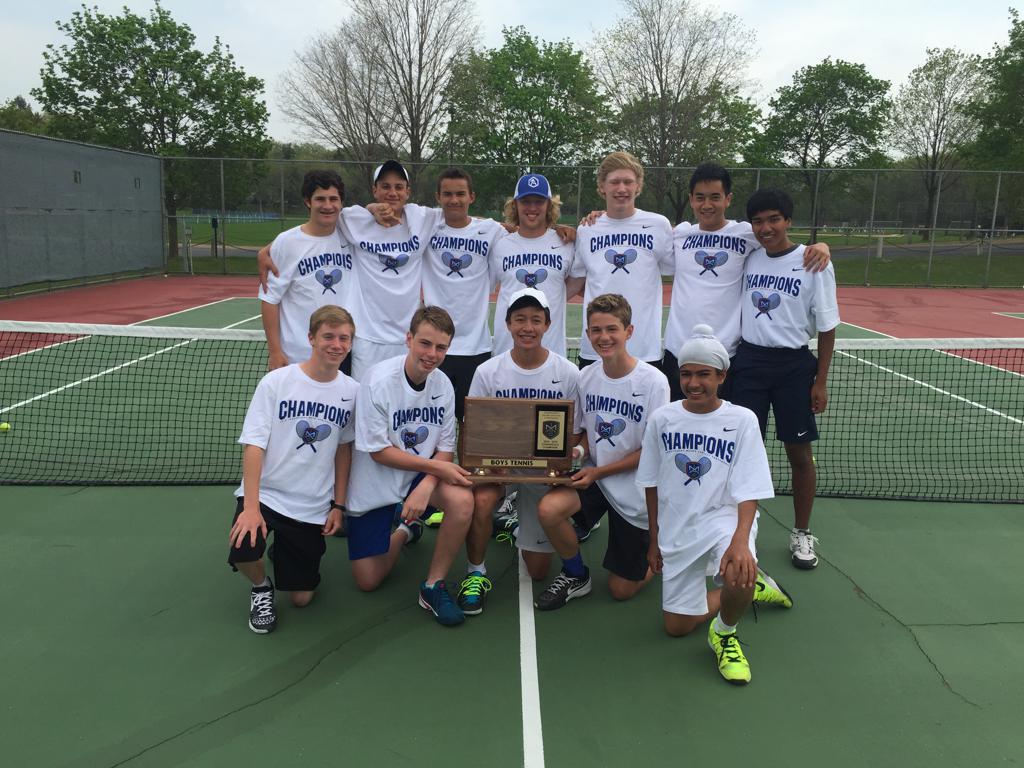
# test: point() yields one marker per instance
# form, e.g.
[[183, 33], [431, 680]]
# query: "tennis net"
[[938, 419]]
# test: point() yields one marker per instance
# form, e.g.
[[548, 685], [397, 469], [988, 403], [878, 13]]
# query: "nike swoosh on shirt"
[[638, 394], [797, 269], [728, 429], [434, 397], [555, 247], [345, 399], [556, 381], [646, 226], [482, 232]]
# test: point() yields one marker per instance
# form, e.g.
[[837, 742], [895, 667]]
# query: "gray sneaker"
[[262, 617], [801, 546]]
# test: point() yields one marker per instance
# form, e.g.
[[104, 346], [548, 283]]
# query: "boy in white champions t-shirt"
[[315, 270], [624, 252], [783, 307], [298, 436], [617, 397], [528, 370], [707, 267], [402, 466], [703, 468]]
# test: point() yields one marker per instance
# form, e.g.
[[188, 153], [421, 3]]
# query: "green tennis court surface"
[[125, 639]]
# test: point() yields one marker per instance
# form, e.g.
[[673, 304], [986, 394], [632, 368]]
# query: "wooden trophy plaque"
[[507, 440]]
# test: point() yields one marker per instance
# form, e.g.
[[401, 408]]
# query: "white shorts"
[[366, 354], [685, 573], [531, 536]]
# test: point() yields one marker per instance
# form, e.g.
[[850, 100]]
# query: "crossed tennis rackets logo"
[[606, 430], [412, 438], [694, 470], [328, 280], [710, 261], [620, 260], [456, 264], [393, 262], [764, 304], [310, 434], [531, 279]]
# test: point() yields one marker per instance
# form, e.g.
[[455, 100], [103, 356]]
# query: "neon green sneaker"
[[732, 664], [767, 591], [434, 520], [473, 592]]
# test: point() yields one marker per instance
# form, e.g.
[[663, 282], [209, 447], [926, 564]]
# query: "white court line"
[[926, 385], [86, 379], [533, 734], [139, 322]]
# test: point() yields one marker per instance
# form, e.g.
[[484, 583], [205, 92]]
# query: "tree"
[[931, 120], [140, 84], [999, 107], [673, 73], [529, 103], [18, 115], [834, 113], [375, 85]]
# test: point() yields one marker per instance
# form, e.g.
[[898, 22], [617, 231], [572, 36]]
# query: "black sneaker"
[[582, 535], [414, 529], [262, 618], [563, 589]]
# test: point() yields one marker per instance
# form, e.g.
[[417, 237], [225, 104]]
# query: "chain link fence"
[[885, 226]]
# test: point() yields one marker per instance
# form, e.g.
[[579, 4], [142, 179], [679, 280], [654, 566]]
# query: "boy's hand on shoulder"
[[249, 523], [566, 233], [266, 265], [276, 360], [817, 257], [591, 218], [383, 214]]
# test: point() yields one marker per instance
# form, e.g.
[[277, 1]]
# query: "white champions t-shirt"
[[615, 412], [537, 262], [299, 422], [627, 257], [783, 304], [391, 412], [555, 379], [456, 276], [703, 465], [707, 286], [388, 264], [314, 271]]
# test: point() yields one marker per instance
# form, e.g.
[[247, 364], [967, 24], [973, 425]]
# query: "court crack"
[[909, 628], [300, 678]]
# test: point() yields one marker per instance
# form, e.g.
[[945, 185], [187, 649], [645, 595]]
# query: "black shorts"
[[779, 378], [670, 367], [460, 369], [298, 548], [626, 555]]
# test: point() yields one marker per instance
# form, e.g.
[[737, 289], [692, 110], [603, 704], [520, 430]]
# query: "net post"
[[992, 231], [931, 239], [871, 229], [579, 192], [223, 221]]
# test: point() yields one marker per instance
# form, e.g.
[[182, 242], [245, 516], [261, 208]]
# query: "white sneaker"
[[801, 546]]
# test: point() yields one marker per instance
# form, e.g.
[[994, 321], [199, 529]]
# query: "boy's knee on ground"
[[622, 589], [677, 625], [301, 599]]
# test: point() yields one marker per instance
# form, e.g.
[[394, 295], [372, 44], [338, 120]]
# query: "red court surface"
[[126, 302], [925, 313]]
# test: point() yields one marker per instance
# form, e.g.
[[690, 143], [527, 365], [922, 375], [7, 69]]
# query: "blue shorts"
[[369, 534], [780, 379]]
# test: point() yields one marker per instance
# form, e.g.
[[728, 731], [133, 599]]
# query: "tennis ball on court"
[[4, 426]]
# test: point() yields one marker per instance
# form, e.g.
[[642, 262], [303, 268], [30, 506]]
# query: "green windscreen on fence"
[[938, 419]]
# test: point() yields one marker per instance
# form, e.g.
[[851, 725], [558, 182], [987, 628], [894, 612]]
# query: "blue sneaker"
[[437, 600]]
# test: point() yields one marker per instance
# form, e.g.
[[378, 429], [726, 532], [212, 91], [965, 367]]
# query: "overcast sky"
[[888, 36]]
